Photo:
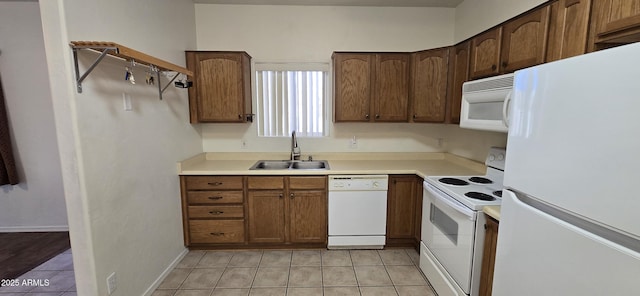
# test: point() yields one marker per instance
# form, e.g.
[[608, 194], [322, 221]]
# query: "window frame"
[[324, 67]]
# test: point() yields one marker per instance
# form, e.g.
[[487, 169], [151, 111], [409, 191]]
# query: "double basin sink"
[[290, 165]]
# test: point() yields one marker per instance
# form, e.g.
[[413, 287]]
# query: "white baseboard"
[[55, 228], [165, 273]]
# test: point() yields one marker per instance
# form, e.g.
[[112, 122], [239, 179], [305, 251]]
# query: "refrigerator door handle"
[[455, 205], [608, 234], [505, 109]]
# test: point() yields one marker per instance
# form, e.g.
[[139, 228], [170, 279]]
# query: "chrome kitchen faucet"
[[295, 150]]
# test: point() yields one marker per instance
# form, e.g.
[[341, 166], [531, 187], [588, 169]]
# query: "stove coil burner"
[[480, 180], [479, 195], [498, 193], [453, 181]]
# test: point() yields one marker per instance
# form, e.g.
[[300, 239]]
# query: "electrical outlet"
[[111, 283], [353, 143], [243, 144]]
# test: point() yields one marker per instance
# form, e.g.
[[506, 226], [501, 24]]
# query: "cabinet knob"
[[280, 195], [366, 116], [414, 116], [493, 67], [216, 212], [292, 195], [377, 116], [239, 116], [505, 64], [215, 183]]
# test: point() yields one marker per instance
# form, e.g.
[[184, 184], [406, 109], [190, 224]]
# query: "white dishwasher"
[[357, 211]]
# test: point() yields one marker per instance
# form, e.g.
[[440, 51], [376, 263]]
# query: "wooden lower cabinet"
[[266, 216], [213, 210], [287, 210], [283, 211], [488, 256], [404, 211], [308, 216]]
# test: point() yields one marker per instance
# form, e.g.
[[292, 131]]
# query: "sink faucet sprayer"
[[295, 150]]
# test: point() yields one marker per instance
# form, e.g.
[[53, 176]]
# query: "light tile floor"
[[52, 278], [298, 272]]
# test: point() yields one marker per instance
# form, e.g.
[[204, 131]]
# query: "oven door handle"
[[457, 206]]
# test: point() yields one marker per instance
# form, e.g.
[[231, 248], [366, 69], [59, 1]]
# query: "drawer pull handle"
[[216, 212], [217, 233], [215, 197], [215, 183]]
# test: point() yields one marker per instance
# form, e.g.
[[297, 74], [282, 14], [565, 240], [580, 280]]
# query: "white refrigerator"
[[570, 216]]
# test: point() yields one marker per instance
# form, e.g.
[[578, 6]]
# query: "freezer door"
[[539, 254], [574, 135]]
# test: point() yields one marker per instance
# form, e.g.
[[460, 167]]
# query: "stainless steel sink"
[[290, 165]]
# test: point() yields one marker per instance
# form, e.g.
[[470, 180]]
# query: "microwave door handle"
[[505, 109], [451, 203]]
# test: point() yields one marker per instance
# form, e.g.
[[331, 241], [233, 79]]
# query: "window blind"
[[291, 100]]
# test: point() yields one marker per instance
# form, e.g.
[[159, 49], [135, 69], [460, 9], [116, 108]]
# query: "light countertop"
[[493, 211], [421, 164]]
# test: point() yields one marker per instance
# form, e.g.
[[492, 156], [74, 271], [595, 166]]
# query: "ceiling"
[[388, 3]]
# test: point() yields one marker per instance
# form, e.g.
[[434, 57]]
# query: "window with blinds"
[[291, 97]]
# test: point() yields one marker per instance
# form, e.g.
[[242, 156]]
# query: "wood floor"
[[23, 251]]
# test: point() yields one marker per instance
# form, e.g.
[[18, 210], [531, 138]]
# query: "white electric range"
[[453, 226]]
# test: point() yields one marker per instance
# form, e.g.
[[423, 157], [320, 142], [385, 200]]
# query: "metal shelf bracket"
[[80, 78]]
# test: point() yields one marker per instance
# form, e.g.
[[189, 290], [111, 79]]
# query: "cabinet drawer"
[[265, 182], [214, 182], [216, 231], [216, 212], [311, 182], [214, 197]]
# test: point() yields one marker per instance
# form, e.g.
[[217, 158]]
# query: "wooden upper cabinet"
[[221, 89], [485, 54], [614, 22], [429, 85], [371, 87], [458, 74], [353, 73], [524, 40], [391, 87], [568, 26]]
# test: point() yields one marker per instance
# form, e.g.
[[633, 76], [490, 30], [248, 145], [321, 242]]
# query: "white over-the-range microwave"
[[485, 103]]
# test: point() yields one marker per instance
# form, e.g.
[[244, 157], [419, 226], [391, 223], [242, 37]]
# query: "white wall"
[[37, 203], [119, 168], [475, 16], [311, 34]]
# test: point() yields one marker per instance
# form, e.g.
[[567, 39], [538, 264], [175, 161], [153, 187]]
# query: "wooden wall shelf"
[[114, 49]]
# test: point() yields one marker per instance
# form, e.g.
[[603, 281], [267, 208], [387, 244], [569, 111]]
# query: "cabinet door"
[[266, 216], [429, 85], [418, 220], [488, 256], [221, 89], [524, 40], [614, 22], [391, 87], [485, 54], [352, 72], [401, 201], [458, 74], [568, 26], [308, 216]]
